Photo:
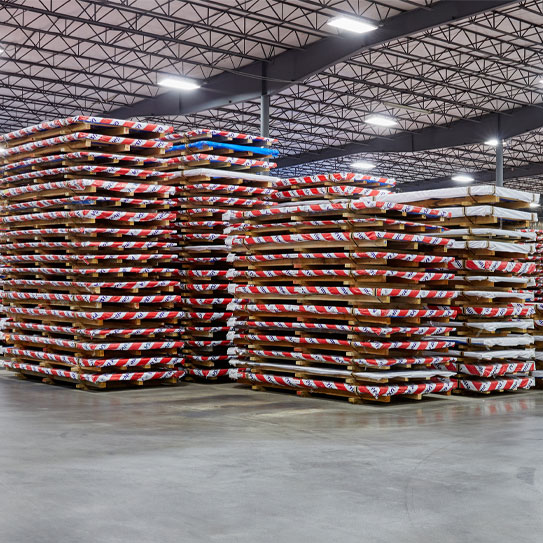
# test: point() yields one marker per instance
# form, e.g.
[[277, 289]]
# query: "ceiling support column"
[[499, 163]]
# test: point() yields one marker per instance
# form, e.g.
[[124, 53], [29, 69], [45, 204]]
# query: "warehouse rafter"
[[429, 64]]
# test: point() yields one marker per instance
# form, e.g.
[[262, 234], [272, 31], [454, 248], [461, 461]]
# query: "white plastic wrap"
[[496, 294], [524, 324], [231, 174], [491, 211], [513, 354], [496, 279], [460, 192], [500, 246], [493, 341], [203, 248], [494, 232]]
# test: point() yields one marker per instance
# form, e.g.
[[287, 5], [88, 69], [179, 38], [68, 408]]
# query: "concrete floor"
[[220, 463]]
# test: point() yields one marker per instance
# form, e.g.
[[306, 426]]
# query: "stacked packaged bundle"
[[337, 298], [86, 254], [225, 174], [538, 345], [495, 346], [537, 258]]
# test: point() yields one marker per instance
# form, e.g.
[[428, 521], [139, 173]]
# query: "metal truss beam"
[[531, 170], [289, 67], [505, 124]]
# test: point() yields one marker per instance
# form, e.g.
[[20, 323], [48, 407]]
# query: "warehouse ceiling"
[[430, 63]]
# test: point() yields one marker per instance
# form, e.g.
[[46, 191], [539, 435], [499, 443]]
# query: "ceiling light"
[[379, 120], [462, 177], [179, 83], [352, 24], [492, 141], [362, 165]]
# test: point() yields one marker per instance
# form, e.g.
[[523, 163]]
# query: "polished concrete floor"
[[220, 463]]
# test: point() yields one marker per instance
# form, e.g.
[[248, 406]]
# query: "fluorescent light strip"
[[352, 24], [362, 165], [462, 178], [380, 120], [179, 83]]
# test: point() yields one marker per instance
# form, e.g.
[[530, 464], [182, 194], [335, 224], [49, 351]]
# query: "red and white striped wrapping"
[[195, 329], [88, 271], [89, 244], [366, 330], [247, 227], [93, 377], [201, 237], [206, 359], [207, 133], [78, 155], [515, 310], [90, 285], [340, 373], [202, 224], [96, 315], [96, 332], [81, 258], [512, 383], [331, 177], [374, 345], [75, 201], [86, 168], [90, 231], [377, 255], [319, 192], [519, 268], [376, 391], [84, 346], [84, 119], [345, 360], [207, 301], [82, 184], [93, 214], [93, 362], [203, 157], [86, 136], [202, 287], [492, 370], [207, 343], [216, 187], [342, 291], [341, 310], [414, 276], [208, 374], [330, 237], [352, 205], [90, 298], [203, 273], [216, 200]]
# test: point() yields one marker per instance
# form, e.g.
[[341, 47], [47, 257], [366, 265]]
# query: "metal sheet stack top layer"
[[216, 172], [338, 298], [494, 342], [86, 253]]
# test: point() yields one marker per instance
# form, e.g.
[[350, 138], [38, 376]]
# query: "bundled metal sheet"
[[86, 251]]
